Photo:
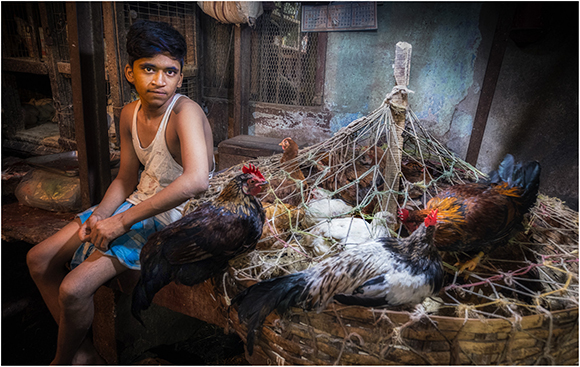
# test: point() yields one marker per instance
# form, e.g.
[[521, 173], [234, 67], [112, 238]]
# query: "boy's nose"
[[159, 79]]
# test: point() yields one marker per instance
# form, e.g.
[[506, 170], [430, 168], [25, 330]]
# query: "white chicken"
[[346, 231], [322, 207]]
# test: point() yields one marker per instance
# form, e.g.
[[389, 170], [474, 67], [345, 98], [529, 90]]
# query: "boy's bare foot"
[[88, 355]]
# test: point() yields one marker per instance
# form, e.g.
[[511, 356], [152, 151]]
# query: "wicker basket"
[[546, 333], [364, 336]]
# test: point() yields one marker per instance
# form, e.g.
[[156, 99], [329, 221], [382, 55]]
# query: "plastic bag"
[[49, 191]]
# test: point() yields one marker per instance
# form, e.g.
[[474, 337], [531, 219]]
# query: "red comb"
[[253, 170], [431, 219], [403, 215]]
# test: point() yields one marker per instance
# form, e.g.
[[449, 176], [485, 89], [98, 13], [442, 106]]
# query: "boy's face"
[[155, 78]]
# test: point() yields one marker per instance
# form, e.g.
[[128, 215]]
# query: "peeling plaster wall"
[[534, 114], [445, 39], [306, 125], [445, 69]]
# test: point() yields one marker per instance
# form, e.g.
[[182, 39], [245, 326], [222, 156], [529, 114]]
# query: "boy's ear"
[[180, 80], [129, 73]]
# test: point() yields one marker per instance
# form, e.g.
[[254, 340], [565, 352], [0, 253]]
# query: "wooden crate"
[[242, 148]]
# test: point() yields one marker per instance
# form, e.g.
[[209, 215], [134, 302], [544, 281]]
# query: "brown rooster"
[[200, 244], [386, 271], [287, 189], [478, 217], [354, 183]]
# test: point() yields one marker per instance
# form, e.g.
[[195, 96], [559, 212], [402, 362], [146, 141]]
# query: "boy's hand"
[[86, 227], [105, 231], [101, 232]]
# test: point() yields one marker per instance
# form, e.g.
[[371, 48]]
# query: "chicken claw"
[[471, 264]]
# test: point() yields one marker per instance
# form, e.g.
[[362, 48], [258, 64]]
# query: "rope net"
[[347, 190]]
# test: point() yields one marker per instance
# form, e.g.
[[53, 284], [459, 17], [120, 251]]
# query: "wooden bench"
[[112, 318], [33, 225]]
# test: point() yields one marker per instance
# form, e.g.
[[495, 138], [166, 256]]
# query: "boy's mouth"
[[158, 92]]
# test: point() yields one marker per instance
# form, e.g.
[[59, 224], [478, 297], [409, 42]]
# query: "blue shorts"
[[127, 247]]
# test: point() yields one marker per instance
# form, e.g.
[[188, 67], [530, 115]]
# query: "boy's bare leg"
[[46, 263], [77, 309]]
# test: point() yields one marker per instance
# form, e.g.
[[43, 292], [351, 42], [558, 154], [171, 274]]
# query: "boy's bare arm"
[[189, 121], [125, 182]]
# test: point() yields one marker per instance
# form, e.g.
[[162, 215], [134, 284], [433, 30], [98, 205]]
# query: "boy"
[[172, 138]]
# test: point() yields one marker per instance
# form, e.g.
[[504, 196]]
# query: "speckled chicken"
[[200, 244], [387, 271]]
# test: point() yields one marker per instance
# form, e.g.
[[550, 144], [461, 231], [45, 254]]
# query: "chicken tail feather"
[[515, 174], [259, 300], [529, 179], [152, 279]]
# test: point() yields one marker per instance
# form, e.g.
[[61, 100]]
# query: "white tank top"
[[160, 167]]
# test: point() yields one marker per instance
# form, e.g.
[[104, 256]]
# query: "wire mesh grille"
[[59, 30], [20, 31], [283, 67], [218, 57]]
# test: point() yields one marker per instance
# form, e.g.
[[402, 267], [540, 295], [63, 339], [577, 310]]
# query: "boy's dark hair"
[[147, 39]]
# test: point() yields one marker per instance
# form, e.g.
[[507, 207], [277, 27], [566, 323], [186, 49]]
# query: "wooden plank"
[[88, 82], [24, 65], [113, 66], [32, 225], [320, 68]]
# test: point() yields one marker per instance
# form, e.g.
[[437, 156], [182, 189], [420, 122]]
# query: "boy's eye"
[[148, 69]]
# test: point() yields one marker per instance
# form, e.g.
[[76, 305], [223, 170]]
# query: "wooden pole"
[[87, 61], [399, 105]]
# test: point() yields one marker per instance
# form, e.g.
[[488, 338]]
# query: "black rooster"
[[383, 272], [200, 244]]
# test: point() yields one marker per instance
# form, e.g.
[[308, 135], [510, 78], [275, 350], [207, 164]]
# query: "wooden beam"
[[22, 65], [85, 39], [114, 65], [498, 47], [240, 121]]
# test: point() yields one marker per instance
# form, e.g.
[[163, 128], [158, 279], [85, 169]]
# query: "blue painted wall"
[[534, 114], [445, 40]]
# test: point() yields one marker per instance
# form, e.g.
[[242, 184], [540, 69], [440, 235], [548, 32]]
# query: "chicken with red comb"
[[386, 271]]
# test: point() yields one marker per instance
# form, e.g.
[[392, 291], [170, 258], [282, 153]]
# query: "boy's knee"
[[69, 293], [37, 262]]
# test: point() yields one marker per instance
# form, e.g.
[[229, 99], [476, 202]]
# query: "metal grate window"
[[283, 66]]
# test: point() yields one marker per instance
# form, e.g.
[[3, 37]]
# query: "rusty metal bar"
[[85, 31], [500, 41]]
